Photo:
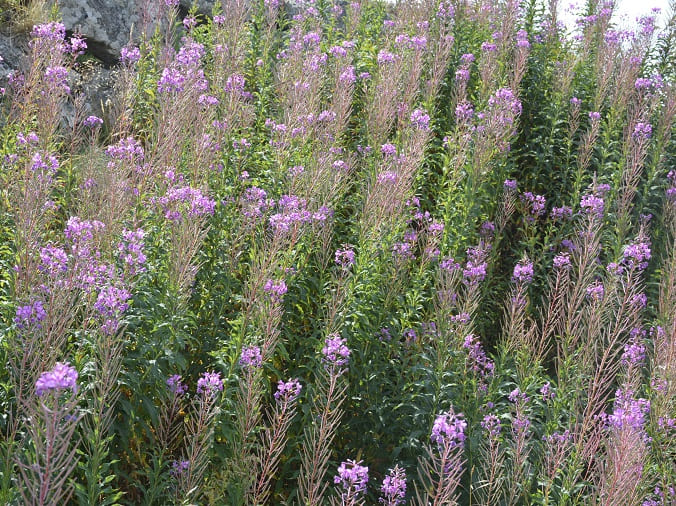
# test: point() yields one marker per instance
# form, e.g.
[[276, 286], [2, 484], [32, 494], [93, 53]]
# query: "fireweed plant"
[[343, 253]]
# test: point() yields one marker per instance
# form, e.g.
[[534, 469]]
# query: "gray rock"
[[12, 49], [107, 25]]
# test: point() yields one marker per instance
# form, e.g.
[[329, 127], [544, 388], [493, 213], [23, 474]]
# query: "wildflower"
[[176, 385], [335, 351], [385, 57], [345, 256], [536, 203], [561, 213], [517, 396], [523, 272], [275, 289], [628, 412], [178, 467], [476, 357], [475, 269], [593, 205], [53, 260], [30, 315], [62, 377], [388, 149], [449, 429], [130, 55], [546, 391], [251, 357], [636, 255], [562, 261], [420, 120], [388, 177], [92, 121], [352, 476], [464, 111], [209, 383], [131, 250], [634, 353], [491, 424], [642, 131], [288, 391], [394, 487], [595, 291]]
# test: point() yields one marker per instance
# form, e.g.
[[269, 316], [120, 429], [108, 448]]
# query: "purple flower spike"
[[62, 377], [251, 357], [449, 429], [336, 351], [209, 384], [352, 476], [288, 391], [176, 385], [523, 272], [394, 487]]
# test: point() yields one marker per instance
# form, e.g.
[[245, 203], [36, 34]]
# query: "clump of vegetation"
[[361, 254]]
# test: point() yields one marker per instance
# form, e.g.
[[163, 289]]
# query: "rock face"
[[12, 50], [109, 25]]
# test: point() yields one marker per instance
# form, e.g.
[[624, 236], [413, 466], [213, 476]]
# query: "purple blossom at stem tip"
[[62, 377]]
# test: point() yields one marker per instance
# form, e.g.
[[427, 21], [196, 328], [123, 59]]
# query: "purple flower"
[[345, 256], [385, 57], [62, 377], [594, 116], [131, 250], [517, 396], [477, 360], [179, 203], [178, 467], [491, 424], [628, 412], [129, 55], [593, 205], [209, 383], [92, 121], [475, 269], [176, 385], [523, 272], [387, 177], [420, 119], [562, 261], [595, 291], [251, 357], [335, 351], [561, 213], [394, 487], [275, 288], [520, 424], [510, 184], [30, 315], [642, 131], [546, 391], [634, 353], [464, 111], [536, 203], [462, 75], [352, 476], [636, 255], [53, 260], [449, 429], [288, 391], [388, 149]]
